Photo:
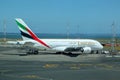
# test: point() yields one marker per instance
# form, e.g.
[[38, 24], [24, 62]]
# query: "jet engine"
[[86, 50]]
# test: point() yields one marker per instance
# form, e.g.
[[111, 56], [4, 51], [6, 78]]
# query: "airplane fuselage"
[[53, 43]]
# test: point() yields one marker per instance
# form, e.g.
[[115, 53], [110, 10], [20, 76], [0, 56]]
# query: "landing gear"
[[96, 52], [32, 51]]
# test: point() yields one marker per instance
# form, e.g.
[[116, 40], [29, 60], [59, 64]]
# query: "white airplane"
[[58, 45]]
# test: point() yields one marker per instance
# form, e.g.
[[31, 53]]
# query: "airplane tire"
[[35, 51], [32, 51]]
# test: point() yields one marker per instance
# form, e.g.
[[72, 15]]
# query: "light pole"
[[113, 39], [4, 30]]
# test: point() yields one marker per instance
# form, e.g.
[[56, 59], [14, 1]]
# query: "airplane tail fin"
[[27, 33]]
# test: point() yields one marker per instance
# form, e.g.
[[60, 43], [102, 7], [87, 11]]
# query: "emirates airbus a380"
[[58, 45]]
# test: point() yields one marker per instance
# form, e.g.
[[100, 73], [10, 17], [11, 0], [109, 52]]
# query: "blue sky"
[[54, 16]]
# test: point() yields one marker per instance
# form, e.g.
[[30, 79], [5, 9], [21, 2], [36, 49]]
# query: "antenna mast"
[[4, 29], [113, 38]]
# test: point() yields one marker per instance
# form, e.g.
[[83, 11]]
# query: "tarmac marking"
[[78, 65], [23, 77], [31, 76], [35, 77], [105, 66], [75, 68], [50, 65]]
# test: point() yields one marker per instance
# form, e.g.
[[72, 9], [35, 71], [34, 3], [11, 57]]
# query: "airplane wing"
[[29, 44], [73, 49]]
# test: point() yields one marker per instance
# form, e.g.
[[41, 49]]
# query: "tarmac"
[[15, 65]]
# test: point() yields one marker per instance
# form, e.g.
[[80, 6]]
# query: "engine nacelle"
[[87, 50], [71, 49], [59, 48]]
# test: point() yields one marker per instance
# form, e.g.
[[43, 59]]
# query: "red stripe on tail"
[[36, 38]]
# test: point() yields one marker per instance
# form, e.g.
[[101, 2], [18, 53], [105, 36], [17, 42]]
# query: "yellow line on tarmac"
[[50, 65]]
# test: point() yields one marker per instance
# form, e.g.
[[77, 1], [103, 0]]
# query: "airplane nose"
[[101, 47]]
